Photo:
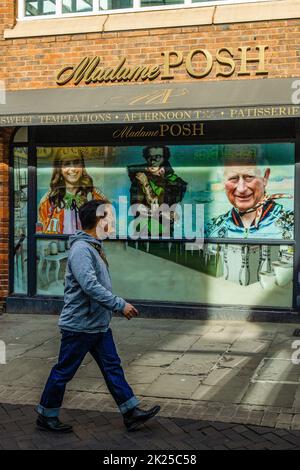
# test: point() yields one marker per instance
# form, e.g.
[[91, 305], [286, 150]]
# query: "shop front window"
[[239, 196], [20, 219]]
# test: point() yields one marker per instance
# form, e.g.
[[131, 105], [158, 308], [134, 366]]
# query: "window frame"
[[135, 9]]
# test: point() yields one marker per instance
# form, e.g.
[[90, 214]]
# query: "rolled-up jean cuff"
[[128, 405], [47, 412]]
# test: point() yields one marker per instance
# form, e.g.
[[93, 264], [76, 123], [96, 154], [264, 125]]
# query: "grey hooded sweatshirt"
[[88, 299]]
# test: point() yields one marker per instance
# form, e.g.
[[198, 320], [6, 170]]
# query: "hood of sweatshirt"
[[83, 236]]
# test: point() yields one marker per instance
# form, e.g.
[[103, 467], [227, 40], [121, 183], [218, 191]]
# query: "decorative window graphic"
[[246, 191], [247, 195]]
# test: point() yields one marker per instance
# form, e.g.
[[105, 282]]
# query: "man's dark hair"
[[166, 151], [87, 214]]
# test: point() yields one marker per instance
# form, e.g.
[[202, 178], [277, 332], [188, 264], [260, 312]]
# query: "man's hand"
[[130, 311], [142, 178]]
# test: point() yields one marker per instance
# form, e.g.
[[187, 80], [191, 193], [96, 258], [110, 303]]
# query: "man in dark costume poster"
[[154, 184]]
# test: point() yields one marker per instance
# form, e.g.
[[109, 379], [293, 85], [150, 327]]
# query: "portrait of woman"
[[70, 187]]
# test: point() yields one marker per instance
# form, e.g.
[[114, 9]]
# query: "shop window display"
[[246, 193]]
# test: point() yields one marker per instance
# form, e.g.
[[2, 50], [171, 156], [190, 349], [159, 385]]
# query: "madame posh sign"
[[198, 63]]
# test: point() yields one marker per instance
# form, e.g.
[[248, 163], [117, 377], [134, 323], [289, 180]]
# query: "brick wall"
[[8, 12], [34, 62]]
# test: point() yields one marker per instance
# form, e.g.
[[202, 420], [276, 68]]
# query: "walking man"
[[84, 322]]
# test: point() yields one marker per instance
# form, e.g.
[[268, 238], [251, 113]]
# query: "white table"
[[51, 259]]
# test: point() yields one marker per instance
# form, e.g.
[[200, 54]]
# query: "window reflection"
[[20, 219], [210, 274], [233, 274], [158, 3], [74, 6], [40, 7], [52, 258], [115, 4]]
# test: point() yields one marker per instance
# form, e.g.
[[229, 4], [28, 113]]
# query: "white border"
[[134, 9]]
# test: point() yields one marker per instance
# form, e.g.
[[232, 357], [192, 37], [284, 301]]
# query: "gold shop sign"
[[173, 116], [198, 63]]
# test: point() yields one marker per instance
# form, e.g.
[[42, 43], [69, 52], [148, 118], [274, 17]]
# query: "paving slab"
[[277, 370], [217, 387], [249, 346], [156, 358], [194, 363], [227, 334], [21, 368], [176, 386], [142, 374], [175, 342], [270, 394], [246, 363], [210, 345], [86, 384]]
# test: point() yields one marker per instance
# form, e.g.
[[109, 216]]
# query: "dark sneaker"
[[135, 418], [52, 425]]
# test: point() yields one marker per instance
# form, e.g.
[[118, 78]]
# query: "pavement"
[[221, 384], [95, 430]]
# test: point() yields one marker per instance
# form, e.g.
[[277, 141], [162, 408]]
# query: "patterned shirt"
[[275, 223]]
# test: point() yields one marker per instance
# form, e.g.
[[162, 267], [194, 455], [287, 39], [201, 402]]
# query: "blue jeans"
[[74, 347]]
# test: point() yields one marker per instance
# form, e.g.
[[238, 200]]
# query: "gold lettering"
[[168, 64], [198, 129], [185, 130], [107, 75], [227, 61], [164, 128], [80, 70], [137, 72], [154, 72], [175, 130], [117, 69], [189, 66], [282, 111], [98, 73], [91, 68], [130, 132], [64, 81], [245, 60], [101, 75], [159, 98], [123, 74]]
